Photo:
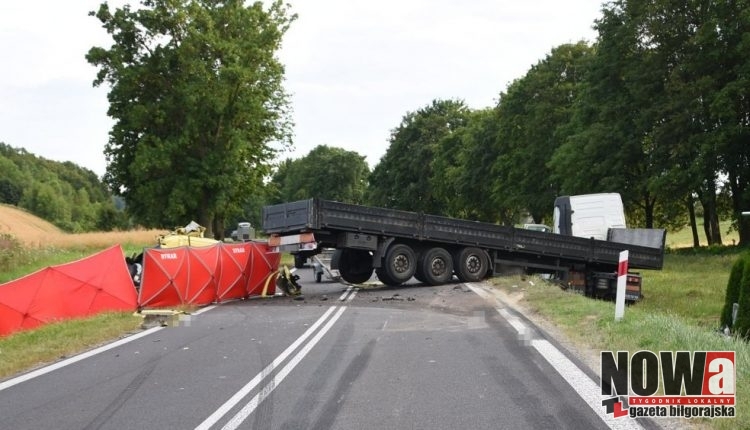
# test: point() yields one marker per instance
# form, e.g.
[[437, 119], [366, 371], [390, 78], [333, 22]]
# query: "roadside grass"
[[690, 285], [26, 350], [680, 312], [29, 349]]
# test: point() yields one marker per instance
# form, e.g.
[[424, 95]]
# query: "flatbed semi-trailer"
[[398, 245]]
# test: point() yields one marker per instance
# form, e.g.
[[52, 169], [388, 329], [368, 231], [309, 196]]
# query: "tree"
[[612, 143], [464, 161], [726, 35], [532, 116], [603, 148], [27, 181], [10, 192], [404, 176], [12, 179], [45, 200], [325, 172], [199, 108]]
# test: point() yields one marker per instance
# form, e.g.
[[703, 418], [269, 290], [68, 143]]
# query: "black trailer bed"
[[325, 215]]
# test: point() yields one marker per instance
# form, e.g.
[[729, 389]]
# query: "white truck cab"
[[588, 215]]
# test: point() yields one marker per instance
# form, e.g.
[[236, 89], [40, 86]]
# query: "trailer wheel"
[[354, 265], [384, 278], [471, 264], [436, 266], [400, 263]]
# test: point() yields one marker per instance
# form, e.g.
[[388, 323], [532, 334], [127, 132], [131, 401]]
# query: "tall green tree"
[[611, 142], [470, 179], [198, 102], [726, 34], [602, 152], [404, 177], [684, 137], [325, 172], [532, 118]]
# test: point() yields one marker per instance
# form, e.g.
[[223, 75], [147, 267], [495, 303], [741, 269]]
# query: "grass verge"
[[33, 348], [26, 350], [680, 313]]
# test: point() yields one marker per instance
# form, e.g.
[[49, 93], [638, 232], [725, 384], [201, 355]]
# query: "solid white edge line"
[[248, 409], [584, 386], [60, 364], [244, 391], [201, 310], [516, 323]]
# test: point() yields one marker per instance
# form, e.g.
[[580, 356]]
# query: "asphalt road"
[[411, 357]]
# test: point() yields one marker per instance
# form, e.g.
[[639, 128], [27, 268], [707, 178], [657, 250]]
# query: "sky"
[[354, 68]]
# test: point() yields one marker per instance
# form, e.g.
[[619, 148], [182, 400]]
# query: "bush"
[[733, 291], [742, 325]]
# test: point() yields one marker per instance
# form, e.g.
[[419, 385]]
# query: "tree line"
[[69, 196], [656, 108]]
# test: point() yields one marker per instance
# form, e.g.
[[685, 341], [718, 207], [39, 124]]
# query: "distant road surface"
[[411, 357]]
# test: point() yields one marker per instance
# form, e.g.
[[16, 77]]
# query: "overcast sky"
[[354, 68]]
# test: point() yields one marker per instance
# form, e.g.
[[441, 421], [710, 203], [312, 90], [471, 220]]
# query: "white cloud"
[[354, 67]]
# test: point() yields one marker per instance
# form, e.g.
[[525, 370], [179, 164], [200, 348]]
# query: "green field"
[[684, 237]]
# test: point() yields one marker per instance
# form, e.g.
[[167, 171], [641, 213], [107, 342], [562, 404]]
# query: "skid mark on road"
[[239, 417]]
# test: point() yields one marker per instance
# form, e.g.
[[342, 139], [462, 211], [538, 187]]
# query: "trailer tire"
[[436, 266], [471, 264], [354, 265], [400, 263], [384, 278]]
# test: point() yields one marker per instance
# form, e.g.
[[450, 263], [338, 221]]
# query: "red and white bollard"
[[622, 275]]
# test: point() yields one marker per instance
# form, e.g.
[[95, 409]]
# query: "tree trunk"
[[218, 228], [649, 208], [205, 220], [715, 226], [693, 224], [712, 218], [710, 215]]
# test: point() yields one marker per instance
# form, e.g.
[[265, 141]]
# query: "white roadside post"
[[622, 275]]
